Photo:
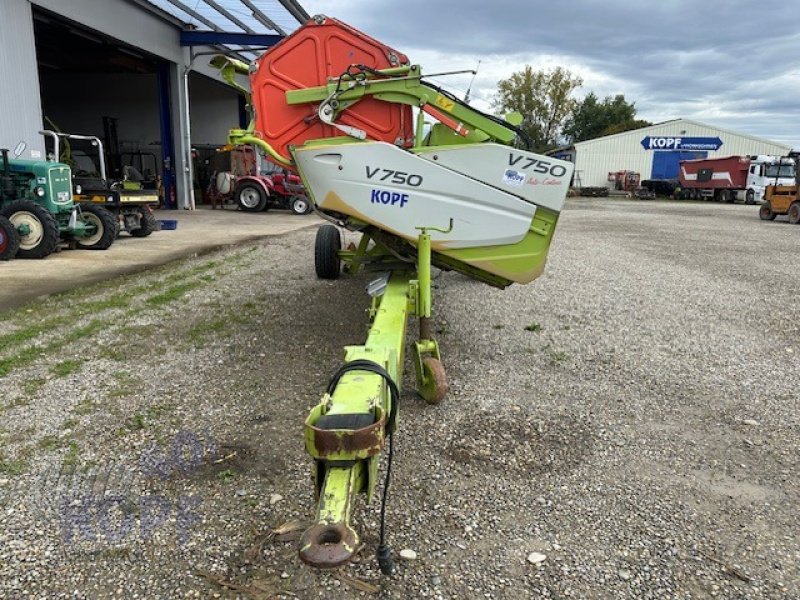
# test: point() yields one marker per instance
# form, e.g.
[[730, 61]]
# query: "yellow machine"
[[781, 200]]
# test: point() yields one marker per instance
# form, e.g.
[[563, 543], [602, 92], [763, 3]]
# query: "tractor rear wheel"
[[147, 223], [794, 213], [250, 198], [9, 240], [327, 244], [41, 230], [106, 228], [765, 212]]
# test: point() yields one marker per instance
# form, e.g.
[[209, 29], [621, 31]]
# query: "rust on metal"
[[357, 443], [327, 546]]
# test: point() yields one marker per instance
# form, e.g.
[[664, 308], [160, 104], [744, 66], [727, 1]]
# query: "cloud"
[[728, 63]]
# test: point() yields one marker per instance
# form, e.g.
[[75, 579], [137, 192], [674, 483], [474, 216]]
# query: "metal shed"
[[654, 151], [141, 64]]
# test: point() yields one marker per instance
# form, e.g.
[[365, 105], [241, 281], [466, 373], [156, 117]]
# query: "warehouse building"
[[655, 151], [134, 73]]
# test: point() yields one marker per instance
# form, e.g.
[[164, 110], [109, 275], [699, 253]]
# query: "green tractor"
[[36, 198]]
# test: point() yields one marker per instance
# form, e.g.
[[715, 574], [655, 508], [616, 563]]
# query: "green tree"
[[543, 98], [593, 118]]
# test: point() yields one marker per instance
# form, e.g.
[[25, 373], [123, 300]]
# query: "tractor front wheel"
[[9, 240], [105, 224], [147, 223], [794, 213], [36, 226], [765, 212], [300, 205], [327, 244]]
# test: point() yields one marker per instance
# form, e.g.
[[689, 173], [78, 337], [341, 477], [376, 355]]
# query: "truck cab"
[[764, 171]]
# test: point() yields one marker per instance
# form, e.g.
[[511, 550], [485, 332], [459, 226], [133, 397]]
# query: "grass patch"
[[84, 408], [172, 294], [136, 422], [12, 466], [116, 301], [22, 359], [28, 333], [535, 327], [69, 423], [498, 326], [49, 442], [66, 367], [72, 455], [558, 356], [226, 475], [32, 386]]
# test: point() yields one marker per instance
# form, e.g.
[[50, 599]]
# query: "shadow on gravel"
[[512, 443]]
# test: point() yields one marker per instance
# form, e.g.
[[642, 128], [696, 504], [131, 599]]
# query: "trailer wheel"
[[435, 387], [328, 242], [106, 224], [9, 240], [750, 197], [42, 235], [794, 213], [765, 212]]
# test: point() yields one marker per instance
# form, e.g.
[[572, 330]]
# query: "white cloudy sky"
[[734, 64]]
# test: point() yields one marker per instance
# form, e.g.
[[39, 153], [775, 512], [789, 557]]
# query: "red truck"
[[731, 177]]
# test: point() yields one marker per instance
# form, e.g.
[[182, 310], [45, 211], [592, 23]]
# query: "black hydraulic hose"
[[384, 552]]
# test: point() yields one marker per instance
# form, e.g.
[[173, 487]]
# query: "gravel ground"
[[625, 427]]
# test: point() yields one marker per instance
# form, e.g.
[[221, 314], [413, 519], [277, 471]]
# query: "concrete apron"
[[198, 231]]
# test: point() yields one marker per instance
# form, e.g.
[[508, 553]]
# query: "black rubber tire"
[[147, 224], [327, 244], [9, 240], [750, 197], [50, 235], [104, 219], [255, 200], [794, 213], [300, 205], [765, 212]]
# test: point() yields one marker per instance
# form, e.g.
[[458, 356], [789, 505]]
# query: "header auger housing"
[[348, 113]]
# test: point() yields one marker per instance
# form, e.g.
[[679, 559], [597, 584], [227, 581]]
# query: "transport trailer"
[[733, 178]]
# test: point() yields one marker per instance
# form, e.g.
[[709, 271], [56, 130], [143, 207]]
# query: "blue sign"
[[681, 143]]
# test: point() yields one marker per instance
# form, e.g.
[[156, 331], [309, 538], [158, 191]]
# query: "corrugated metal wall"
[[20, 106], [624, 151]]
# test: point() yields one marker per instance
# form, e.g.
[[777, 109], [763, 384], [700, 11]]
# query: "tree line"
[[553, 117]]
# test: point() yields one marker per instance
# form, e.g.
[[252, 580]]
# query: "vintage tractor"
[[337, 107], [36, 197], [131, 205]]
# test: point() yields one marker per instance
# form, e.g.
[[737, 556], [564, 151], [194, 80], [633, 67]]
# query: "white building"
[[135, 73], [654, 151]]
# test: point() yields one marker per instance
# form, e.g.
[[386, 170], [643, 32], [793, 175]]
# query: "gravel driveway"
[[625, 427]]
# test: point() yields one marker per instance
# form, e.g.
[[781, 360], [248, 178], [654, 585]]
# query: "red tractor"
[[241, 177]]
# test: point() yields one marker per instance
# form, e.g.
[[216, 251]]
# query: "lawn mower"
[[457, 195]]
